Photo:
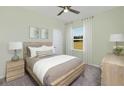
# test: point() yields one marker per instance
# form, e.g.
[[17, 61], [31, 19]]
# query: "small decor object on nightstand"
[[118, 50], [15, 46], [117, 38]]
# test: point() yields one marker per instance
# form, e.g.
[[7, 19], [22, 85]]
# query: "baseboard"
[[95, 65]]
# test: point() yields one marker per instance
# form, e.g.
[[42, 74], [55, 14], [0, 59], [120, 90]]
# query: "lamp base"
[[15, 58]]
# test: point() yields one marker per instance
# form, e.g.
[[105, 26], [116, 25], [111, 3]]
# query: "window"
[[77, 34]]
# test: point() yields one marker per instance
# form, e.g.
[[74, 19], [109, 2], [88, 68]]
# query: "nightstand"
[[14, 70], [112, 70]]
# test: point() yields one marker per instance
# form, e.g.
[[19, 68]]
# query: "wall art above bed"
[[44, 33], [38, 33]]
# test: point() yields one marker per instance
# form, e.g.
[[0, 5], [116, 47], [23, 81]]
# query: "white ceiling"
[[85, 11]]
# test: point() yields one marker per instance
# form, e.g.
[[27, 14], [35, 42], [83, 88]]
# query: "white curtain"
[[88, 30]]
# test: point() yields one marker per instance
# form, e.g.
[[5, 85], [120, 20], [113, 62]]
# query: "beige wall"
[[106, 23], [14, 23]]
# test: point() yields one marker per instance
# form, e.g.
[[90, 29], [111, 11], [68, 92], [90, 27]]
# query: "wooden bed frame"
[[67, 79]]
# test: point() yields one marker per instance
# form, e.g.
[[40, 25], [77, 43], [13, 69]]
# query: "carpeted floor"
[[90, 77]]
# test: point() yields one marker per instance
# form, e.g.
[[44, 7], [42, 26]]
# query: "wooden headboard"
[[33, 44]]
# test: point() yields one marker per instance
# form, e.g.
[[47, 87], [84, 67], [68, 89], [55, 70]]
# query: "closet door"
[[58, 41]]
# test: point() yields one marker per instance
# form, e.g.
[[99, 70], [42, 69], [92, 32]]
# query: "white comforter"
[[42, 66]]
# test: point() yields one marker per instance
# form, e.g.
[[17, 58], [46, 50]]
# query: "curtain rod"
[[71, 22], [87, 18]]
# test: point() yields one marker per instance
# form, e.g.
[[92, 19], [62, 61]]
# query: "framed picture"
[[34, 32], [44, 33], [38, 33]]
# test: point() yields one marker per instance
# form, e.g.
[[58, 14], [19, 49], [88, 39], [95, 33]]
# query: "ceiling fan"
[[67, 9]]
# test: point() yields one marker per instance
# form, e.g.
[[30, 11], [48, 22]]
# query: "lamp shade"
[[117, 38], [15, 45]]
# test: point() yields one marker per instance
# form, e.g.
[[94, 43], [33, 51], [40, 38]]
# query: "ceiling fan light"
[[66, 10]]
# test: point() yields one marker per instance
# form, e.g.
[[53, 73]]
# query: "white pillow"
[[33, 50], [44, 53], [47, 48]]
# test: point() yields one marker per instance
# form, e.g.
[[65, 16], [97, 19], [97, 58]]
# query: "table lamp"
[[117, 38], [15, 46]]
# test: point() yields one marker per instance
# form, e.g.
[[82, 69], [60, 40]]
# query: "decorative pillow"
[[44, 53], [45, 48], [42, 49], [33, 50]]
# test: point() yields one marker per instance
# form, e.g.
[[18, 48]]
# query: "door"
[[58, 41]]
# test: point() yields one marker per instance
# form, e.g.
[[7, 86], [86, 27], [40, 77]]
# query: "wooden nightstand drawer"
[[15, 68], [14, 64], [14, 77], [13, 73]]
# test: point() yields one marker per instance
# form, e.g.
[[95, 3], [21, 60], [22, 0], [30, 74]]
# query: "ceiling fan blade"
[[60, 13], [74, 11], [61, 6]]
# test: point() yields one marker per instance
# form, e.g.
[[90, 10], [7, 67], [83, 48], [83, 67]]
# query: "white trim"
[[77, 50], [94, 65], [77, 39]]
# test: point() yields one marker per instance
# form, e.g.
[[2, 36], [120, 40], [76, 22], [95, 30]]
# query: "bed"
[[59, 75]]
